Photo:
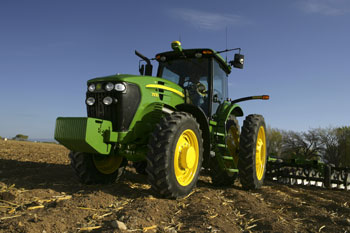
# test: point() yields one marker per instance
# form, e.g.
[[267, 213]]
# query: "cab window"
[[219, 85], [192, 75], [181, 71]]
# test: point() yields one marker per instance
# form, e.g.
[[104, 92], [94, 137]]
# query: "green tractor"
[[169, 126]]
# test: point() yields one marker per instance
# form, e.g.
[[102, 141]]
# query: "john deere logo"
[[98, 86], [155, 94]]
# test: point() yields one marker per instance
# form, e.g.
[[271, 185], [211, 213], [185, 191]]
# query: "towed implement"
[[308, 172], [169, 125]]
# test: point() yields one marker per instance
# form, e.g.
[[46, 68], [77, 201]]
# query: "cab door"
[[219, 86]]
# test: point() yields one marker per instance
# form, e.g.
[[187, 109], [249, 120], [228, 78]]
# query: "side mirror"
[[238, 61], [148, 71], [142, 69], [145, 71]]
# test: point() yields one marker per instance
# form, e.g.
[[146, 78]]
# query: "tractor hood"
[[113, 77], [140, 80], [120, 98]]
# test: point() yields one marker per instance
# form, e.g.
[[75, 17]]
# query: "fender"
[[226, 109]]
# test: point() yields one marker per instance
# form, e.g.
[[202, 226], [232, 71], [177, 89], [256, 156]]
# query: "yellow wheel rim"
[[107, 164], [186, 157], [260, 155], [232, 142]]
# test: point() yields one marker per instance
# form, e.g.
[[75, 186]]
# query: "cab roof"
[[190, 53]]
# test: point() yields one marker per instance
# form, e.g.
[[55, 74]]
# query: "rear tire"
[[97, 169], [219, 177], [175, 155], [252, 152]]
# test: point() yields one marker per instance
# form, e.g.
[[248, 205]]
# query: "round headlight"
[[92, 87], [120, 87], [107, 100], [109, 86], [198, 55], [90, 101]]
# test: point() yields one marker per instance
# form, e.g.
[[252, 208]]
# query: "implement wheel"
[[97, 169], [220, 177], [175, 155], [252, 152]]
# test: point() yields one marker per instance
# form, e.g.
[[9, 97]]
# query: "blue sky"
[[296, 51]]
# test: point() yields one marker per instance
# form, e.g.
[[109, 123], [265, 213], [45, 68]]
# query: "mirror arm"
[[228, 50], [258, 97], [149, 66]]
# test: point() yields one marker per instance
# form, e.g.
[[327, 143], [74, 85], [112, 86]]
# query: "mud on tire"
[[175, 155]]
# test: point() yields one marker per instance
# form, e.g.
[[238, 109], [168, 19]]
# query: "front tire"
[[97, 169], [175, 155], [252, 152]]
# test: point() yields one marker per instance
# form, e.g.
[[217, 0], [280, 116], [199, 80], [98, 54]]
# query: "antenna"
[[226, 44], [180, 38]]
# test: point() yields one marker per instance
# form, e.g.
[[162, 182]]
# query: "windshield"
[[191, 74], [181, 71]]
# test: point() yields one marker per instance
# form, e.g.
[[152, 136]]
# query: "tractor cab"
[[202, 73]]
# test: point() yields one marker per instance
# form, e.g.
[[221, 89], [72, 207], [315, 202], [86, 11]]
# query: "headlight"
[[198, 55], [109, 86], [120, 87], [107, 100], [90, 101], [92, 87]]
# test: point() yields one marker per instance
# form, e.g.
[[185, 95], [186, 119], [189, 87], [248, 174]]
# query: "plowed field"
[[39, 193]]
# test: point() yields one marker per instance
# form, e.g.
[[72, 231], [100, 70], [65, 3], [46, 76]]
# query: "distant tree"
[[274, 142], [305, 145], [329, 139], [343, 135], [292, 144], [21, 137], [332, 145]]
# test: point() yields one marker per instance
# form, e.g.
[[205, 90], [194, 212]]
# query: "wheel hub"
[[107, 164], [186, 157]]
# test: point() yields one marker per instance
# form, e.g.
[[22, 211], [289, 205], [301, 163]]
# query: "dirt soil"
[[39, 193]]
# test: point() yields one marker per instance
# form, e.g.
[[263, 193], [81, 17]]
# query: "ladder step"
[[227, 158], [231, 170], [213, 123], [221, 145], [219, 134]]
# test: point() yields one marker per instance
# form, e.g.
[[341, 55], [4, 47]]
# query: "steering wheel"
[[201, 89]]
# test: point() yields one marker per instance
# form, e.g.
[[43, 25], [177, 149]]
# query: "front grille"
[[120, 113], [99, 110]]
